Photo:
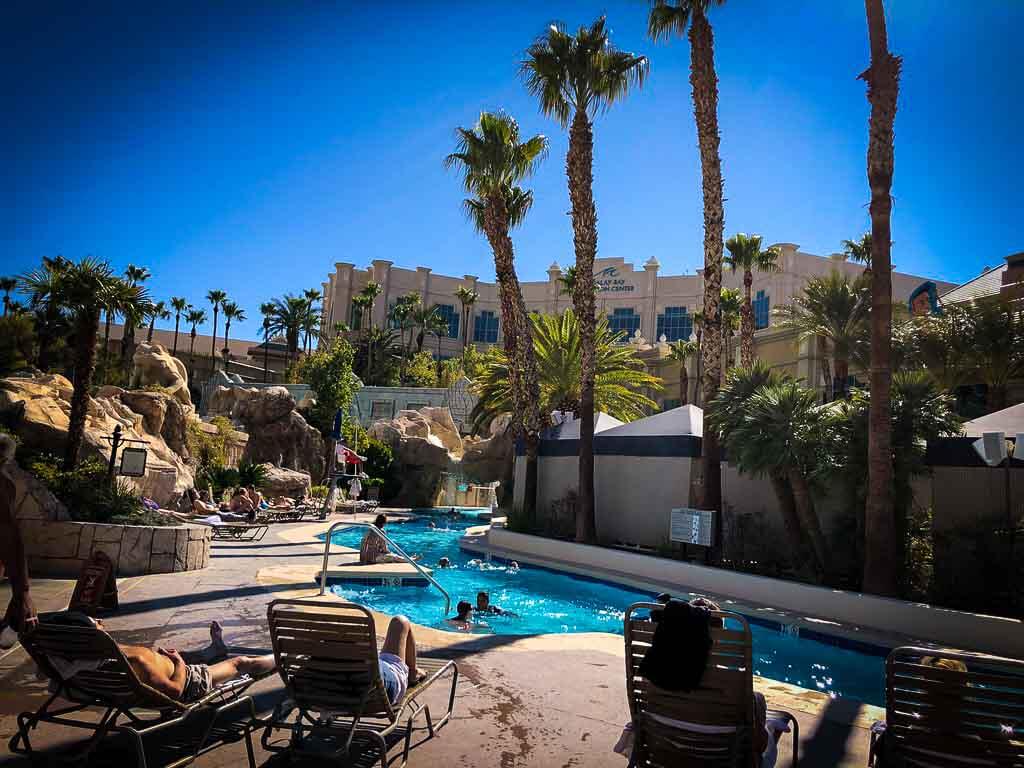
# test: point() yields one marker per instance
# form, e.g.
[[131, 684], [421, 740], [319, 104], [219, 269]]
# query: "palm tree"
[[467, 298], [84, 289], [745, 254], [267, 310], [7, 284], [287, 318], [402, 316], [134, 315], [882, 78], [312, 296], [683, 351], [729, 307], [996, 334], [42, 285], [231, 312], [493, 160], [575, 77], [666, 19], [179, 305], [859, 250], [436, 326], [620, 377], [117, 298], [835, 309], [194, 317], [158, 311], [217, 299], [371, 291]]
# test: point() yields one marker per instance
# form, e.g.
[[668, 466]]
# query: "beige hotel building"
[[636, 300]]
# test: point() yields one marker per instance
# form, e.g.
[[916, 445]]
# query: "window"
[[761, 309], [624, 322], [447, 311], [485, 327], [675, 325], [382, 409]]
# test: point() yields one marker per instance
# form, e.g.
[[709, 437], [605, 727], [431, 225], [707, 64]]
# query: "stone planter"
[[57, 548]]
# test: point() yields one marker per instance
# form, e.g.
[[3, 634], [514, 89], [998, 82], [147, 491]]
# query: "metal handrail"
[[344, 524]]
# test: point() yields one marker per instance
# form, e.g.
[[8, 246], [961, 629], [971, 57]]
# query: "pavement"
[[546, 700]]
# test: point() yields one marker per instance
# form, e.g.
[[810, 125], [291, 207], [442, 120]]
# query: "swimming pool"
[[550, 602]]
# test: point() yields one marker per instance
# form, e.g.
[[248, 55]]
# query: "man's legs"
[[215, 651], [400, 642], [229, 669]]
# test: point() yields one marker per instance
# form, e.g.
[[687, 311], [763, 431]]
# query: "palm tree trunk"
[[85, 363], [177, 321], [790, 519], [149, 333], [704, 82], [684, 383], [106, 346], [192, 355], [213, 343], [809, 519], [826, 377], [747, 323], [842, 376], [579, 168], [880, 567], [266, 352], [465, 331], [46, 333]]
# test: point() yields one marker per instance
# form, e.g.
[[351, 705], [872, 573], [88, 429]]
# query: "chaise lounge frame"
[[326, 653]]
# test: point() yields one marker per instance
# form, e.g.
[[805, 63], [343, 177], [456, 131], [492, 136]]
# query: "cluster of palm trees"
[[296, 319]]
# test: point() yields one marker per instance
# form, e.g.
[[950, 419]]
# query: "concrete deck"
[[551, 700]]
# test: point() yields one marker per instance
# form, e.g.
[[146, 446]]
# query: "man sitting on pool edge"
[[483, 605]]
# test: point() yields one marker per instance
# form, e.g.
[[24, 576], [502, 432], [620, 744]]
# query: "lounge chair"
[[108, 683], [326, 655], [709, 726], [948, 718]]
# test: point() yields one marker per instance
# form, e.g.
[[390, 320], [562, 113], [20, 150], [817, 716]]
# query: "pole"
[[115, 441]]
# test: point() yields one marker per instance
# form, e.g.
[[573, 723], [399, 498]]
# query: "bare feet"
[[218, 649]]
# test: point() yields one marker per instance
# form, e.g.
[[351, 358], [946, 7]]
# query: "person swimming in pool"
[[463, 618], [483, 605], [444, 562], [513, 567]]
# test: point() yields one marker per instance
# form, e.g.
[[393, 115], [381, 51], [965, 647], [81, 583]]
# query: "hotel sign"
[[608, 281]]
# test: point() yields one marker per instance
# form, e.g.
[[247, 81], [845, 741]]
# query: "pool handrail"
[[344, 524]]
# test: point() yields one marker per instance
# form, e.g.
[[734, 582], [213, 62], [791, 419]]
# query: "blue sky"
[[250, 146]]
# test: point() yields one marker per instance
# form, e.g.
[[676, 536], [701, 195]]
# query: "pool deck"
[[547, 700]]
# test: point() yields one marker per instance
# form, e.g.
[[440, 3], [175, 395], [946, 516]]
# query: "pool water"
[[546, 601]]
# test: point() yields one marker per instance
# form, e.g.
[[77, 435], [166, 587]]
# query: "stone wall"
[[57, 548]]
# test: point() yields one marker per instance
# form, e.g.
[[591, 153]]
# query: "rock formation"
[[285, 482], [154, 366], [278, 434], [485, 459]]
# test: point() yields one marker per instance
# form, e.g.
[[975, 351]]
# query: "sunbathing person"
[[255, 497], [241, 504], [199, 506], [463, 616], [375, 550], [483, 605], [398, 659], [182, 676]]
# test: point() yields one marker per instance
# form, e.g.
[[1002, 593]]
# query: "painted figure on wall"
[[924, 300]]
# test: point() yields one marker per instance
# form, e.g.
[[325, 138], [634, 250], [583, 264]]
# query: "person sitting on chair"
[[242, 504], [398, 659]]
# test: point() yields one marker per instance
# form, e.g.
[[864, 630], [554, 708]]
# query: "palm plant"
[[267, 310], [42, 286], [7, 284], [371, 291], [746, 254], [996, 334], [194, 317], [493, 160], [683, 351], [117, 299], [158, 311], [287, 319], [216, 299], [134, 315], [835, 309], [619, 384], [675, 17], [312, 320], [729, 308], [231, 312], [83, 289], [179, 305], [882, 78], [574, 77], [437, 327], [467, 298], [402, 315], [859, 250]]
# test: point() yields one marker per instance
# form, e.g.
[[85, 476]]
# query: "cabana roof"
[[684, 420]]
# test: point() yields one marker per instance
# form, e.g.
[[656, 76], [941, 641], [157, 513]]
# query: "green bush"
[[219, 479], [318, 491], [251, 474]]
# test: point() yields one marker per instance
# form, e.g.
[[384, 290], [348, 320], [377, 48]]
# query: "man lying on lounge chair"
[[184, 676]]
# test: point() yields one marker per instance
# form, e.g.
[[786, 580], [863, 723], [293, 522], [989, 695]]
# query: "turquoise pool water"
[[549, 602]]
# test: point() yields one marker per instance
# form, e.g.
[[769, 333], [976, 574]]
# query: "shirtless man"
[[12, 551]]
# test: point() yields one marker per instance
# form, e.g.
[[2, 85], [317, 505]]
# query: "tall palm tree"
[[467, 298], [371, 291], [158, 311], [835, 309], [134, 315], [286, 320], [882, 78], [745, 253], [84, 289], [437, 326], [231, 312], [859, 250], [402, 315], [267, 310], [117, 298], [7, 284], [179, 305], [996, 333], [668, 18], [312, 296], [729, 306], [194, 317], [217, 299], [575, 77], [620, 381], [683, 351], [43, 287], [493, 159]]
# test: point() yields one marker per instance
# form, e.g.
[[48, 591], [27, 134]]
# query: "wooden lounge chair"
[[128, 706], [326, 655], [709, 726], [948, 718]]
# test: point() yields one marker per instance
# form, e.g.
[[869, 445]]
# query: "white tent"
[[1009, 421], [570, 430], [684, 420]]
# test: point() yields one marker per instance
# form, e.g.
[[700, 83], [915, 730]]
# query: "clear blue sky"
[[249, 146]]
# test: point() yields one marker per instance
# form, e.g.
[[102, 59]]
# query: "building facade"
[[635, 300]]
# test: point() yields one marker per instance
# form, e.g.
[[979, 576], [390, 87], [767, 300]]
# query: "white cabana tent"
[[570, 429], [684, 420]]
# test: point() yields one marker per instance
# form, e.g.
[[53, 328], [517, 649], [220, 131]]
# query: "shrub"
[[218, 478], [318, 491], [251, 474]]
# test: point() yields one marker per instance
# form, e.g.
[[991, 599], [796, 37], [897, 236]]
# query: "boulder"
[[285, 482], [442, 426], [424, 447], [155, 366], [484, 460], [32, 499], [434, 425], [278, 434], [265, 406]]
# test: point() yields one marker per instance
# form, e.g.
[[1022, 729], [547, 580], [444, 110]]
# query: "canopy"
[[348, 456]]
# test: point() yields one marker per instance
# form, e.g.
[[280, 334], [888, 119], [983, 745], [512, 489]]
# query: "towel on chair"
[[679, 650]]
